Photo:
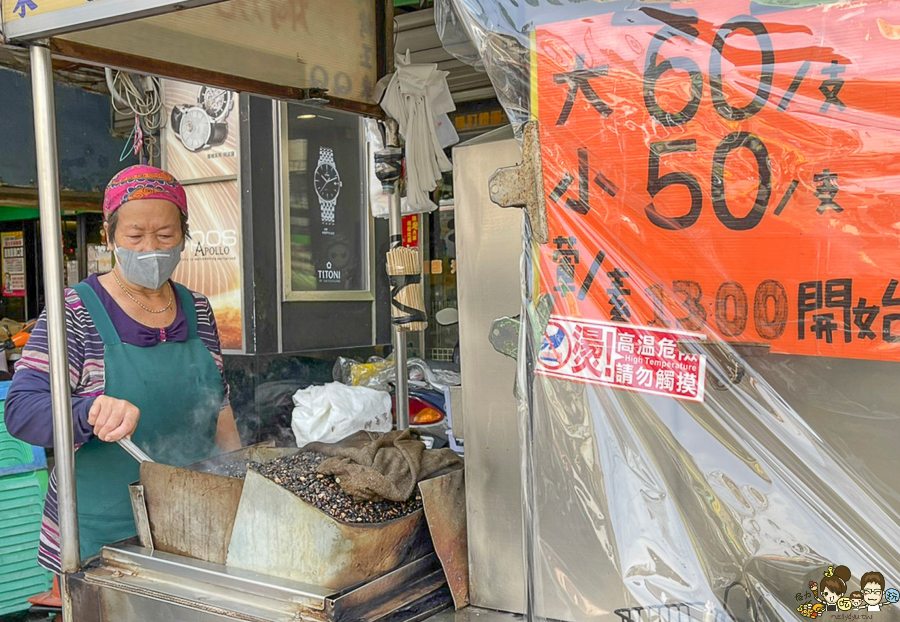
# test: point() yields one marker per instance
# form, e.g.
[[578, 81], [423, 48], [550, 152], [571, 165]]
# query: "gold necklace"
[[138, 302]]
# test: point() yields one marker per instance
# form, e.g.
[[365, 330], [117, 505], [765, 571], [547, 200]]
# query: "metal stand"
[[51, 238], [392, 139]]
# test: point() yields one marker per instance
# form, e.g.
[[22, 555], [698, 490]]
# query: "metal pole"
[[81, 245], [51, 238], [392, 139]]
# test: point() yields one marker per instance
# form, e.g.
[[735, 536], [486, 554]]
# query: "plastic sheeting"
[[710, 411]]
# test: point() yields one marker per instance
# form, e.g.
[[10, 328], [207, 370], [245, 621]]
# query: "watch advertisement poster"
[[13, 245], [201, 135], [327, 222], [211, 261]]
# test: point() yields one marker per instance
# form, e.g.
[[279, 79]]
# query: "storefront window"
[[327, 248]]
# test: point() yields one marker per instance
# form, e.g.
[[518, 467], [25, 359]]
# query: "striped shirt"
[[28, 404]]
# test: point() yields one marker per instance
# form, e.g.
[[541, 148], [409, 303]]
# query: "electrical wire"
[[144, 100], [141, 97]]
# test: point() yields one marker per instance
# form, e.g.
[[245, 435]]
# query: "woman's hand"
[[113, 419]]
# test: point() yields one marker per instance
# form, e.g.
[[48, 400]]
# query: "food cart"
[[249, 47], [657, 447]]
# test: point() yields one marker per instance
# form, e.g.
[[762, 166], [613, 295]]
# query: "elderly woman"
[[144, 362]]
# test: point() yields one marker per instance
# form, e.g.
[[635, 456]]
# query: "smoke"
[[190, 439]]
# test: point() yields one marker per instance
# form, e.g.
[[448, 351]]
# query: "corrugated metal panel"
[[417, 33]]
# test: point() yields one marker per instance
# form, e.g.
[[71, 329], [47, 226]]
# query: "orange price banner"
[[726, 167]]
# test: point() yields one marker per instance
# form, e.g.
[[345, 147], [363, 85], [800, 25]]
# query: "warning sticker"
[[621, 356]]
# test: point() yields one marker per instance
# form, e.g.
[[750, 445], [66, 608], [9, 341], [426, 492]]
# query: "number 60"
[[653, 70]]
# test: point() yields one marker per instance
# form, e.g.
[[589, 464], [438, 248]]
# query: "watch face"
[[328, 182], [217, 102], [195, 128]]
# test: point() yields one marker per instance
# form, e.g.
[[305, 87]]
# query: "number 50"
[[735, 140]]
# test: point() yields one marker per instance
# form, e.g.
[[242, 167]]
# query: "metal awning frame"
[[72, 19]]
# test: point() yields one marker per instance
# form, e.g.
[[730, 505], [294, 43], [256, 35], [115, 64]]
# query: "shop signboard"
[[478, 116], [211, 262], [411, 230], [726, 168], [12, 244], [32, 19], [202, 132]]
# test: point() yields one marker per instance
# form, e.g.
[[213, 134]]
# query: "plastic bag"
[[379, 201], [447, 377], [454, 37], [329, 413], [341, 370], [709, 413], [375, 373]]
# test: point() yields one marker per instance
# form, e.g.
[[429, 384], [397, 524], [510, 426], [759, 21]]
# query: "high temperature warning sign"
[[626, 357]]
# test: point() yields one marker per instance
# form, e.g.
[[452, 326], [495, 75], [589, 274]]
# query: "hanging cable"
[[141, 97]]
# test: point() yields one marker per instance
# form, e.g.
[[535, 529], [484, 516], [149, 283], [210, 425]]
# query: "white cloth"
[[418, 97], [874, 607], [335, 411]]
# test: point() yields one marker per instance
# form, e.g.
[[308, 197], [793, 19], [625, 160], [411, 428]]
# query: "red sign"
[[411, 230], [633, 358], [726, 167]]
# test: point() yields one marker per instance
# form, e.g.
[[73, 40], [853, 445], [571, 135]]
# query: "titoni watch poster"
[[211, 261], [201, 134], [328, 211]]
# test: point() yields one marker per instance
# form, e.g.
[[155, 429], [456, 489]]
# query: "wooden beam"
[[384, 36], [14, 196]]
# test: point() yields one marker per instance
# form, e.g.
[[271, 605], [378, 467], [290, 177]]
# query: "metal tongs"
[[136, 452]]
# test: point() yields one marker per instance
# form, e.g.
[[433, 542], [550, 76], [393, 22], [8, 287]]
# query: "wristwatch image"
[[203, 126], [328, 184], [216, 102]]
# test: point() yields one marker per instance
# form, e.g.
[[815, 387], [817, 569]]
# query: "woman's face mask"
[[150, 269]]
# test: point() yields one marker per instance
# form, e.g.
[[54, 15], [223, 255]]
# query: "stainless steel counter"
[[129, 583], [475, 614]]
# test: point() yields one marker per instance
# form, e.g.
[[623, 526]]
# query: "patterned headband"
[[142, 182]]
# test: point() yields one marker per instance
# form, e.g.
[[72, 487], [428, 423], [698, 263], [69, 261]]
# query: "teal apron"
[[178, 389]]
